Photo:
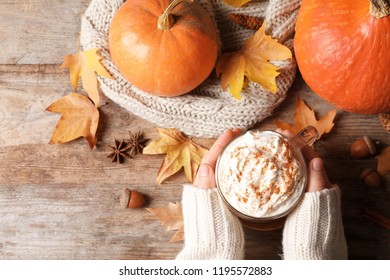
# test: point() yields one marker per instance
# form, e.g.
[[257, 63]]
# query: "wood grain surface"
[[61, 201]]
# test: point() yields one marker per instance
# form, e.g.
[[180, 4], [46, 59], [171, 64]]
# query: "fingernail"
[[317, 164], [203, 170]]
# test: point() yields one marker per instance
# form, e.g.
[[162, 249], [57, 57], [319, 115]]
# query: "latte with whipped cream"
[[259, 175]]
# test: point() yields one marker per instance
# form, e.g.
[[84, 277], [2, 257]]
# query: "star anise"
[[119, 151], [136, 143]]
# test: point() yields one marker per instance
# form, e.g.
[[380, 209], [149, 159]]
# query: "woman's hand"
[[205, 177], [317, 178]]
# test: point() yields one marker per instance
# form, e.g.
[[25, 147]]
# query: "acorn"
[[363, 147], [371, 178], [131, 199]]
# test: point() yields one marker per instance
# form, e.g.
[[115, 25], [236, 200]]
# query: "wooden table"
[[61, 201]]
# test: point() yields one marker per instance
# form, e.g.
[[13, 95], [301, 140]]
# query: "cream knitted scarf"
[[207, 111]]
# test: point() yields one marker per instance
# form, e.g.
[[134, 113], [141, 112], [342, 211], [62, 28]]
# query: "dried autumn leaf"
[[236, 3], [79, 118], [252, 61], [85, 64], [181, 152], [249, 22], [171, 218], [384, 161], [304, 116]]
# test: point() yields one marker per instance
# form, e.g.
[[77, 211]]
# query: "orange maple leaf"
[[79, 118], [86, 64], [384, 161], [252, 61], [171, 218], [304, 116], [236, 3], [180, 152]]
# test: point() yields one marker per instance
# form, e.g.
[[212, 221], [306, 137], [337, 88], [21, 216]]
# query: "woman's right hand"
[[317, 177]]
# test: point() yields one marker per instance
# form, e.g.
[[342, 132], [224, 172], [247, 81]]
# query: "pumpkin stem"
[[380, 8], [166, 21]]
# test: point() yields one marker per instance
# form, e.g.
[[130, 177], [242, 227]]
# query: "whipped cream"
[[259, 176]]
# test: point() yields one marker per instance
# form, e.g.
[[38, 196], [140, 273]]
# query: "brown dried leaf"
[[249, 22], [180, 152], [304, 116], [79, 118], [179, 236], [86, 64], [171, 218], [384, 161], [385, 121]]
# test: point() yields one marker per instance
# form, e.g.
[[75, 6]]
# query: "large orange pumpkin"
[[343, 52], [164, 48]]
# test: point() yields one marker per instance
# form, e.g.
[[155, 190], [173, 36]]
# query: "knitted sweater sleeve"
[[211, 231], [314, 229]]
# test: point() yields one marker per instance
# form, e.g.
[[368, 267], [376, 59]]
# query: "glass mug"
[[262, 176]]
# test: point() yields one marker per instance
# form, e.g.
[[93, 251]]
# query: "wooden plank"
[[39, 31], [79, 221], [26, 90]]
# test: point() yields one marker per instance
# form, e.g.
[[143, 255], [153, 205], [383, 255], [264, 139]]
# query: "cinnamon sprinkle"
[[239, 175]]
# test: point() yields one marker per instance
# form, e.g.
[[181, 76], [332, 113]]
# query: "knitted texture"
[[314, 230], [207, 111], [211, 231]]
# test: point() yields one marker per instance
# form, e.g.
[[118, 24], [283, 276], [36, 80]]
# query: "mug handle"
[[309, 135]]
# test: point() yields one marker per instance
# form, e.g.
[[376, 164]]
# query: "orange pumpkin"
[[164, 48], [343, 52]]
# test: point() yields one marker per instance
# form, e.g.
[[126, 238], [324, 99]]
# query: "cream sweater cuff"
[[211, 231], [314, 229]]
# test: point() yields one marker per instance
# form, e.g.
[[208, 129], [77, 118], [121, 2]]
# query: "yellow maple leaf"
[[180, 152], [384, 161], [236, 3], [252, 61], [79, 118], [304, 116], [171, 218], [86, 64]]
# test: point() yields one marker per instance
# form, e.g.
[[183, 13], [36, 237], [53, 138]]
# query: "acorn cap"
[[370, 144], [125, 198]]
